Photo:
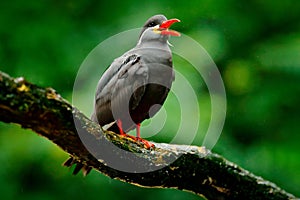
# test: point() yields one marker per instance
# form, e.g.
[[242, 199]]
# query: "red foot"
[[145, 142], [138, 135]]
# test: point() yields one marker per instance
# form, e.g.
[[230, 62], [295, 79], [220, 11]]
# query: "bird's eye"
[[151, 24]]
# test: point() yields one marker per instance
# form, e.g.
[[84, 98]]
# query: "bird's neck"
[[161, 44]]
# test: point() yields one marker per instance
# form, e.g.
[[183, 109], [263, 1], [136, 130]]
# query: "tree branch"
[[190, 168]]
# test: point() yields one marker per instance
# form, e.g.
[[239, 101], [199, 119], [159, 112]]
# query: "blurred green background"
[[256, 46]]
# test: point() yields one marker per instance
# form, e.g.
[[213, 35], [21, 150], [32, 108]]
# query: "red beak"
[[167, 24]]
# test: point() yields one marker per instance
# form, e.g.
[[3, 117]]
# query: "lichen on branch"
[[190, 168]]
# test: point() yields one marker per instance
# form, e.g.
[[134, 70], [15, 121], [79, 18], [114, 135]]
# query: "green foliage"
[[255, 46]]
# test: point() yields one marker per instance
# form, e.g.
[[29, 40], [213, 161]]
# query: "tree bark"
[[190, 168]]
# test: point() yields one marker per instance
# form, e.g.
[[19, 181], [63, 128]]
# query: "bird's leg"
[[122, 133], [138, 137], [138, 134], [138, 130], [119, 123]]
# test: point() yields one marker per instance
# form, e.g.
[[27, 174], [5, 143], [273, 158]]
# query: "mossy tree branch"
[[190, 168]]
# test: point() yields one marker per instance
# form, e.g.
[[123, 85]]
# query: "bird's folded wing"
[[122, 85], [131, 83]]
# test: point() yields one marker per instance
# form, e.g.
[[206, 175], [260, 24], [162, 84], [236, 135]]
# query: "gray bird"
[[136, 84]]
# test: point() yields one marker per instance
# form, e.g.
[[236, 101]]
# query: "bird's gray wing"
[[130, 85], [102, 113], [123, 81]]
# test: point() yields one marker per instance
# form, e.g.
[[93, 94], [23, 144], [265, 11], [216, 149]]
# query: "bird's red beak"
[[164, 27]]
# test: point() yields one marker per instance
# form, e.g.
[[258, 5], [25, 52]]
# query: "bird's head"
[[157, 28]]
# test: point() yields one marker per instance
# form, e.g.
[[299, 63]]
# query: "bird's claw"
[[147, 144]]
